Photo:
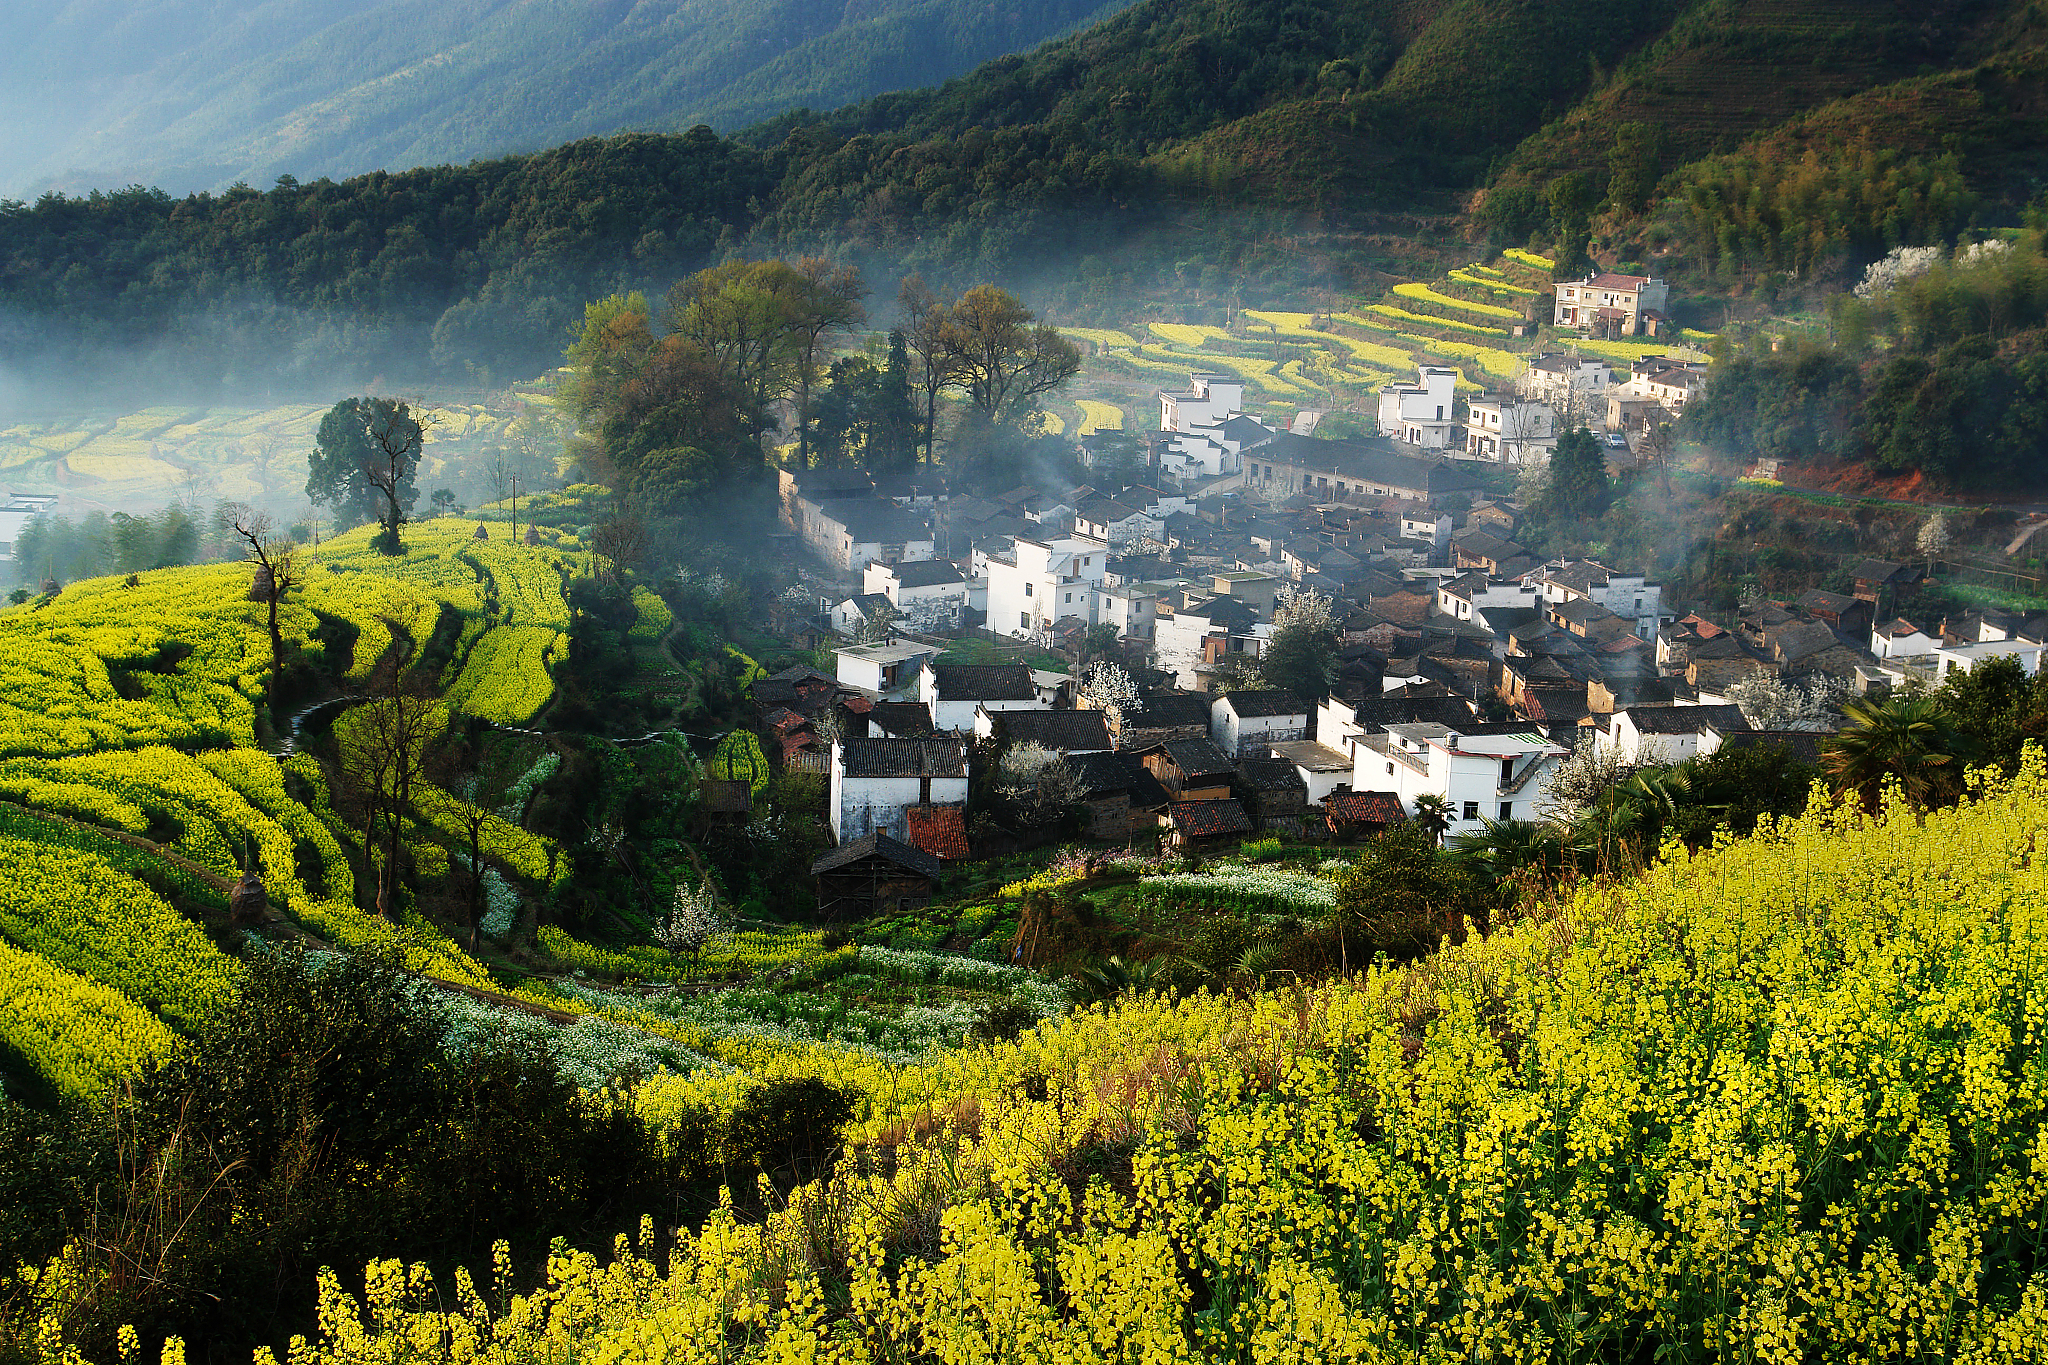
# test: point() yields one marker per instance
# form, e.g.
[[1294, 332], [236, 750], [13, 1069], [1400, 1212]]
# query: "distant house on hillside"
[[1610, 305]]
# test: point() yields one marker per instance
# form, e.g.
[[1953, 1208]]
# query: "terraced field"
[[135, 460], [1294, 359]]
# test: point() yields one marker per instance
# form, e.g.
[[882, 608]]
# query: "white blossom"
[[693, 922], [1902, 264], [1769, 702]]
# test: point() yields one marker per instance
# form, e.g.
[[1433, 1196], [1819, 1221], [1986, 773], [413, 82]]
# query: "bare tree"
[[619, 543], [277, 572], [396, 438], [929, 339], [830, 303], [384, 750]]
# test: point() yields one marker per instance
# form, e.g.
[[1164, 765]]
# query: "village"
[[1118, 631]]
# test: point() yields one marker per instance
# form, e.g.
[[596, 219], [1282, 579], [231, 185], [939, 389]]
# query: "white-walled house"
[[1322, 769], [1247, 724], [1208, 426], [889, 671], [920, 588], [1643, 735], [1041, 582], [1461, 598], [875, 783], [1421, 413], [1480, 775], [1610, 304], [1509, 431], [1902, 640], [1630, 596], [1962, 658], [954, 692]]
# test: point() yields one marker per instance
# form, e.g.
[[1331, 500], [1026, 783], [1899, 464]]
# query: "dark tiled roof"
[[1056, 729], [984, 682], [1207, 819], [1379, 712], [1104, 773], [1373, 460], [904, 758], [1178, 708], [906, 719], [1198, 758], [735, 797], [927, 573], [939, 830], [1685, 720], [1382, 808], [1269, 774], [1804, 745], [878, 521], [1818, 599], [1876, 570], [1266, 702], [879, 845]]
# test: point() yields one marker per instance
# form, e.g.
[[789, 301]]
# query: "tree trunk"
[[276, 646]]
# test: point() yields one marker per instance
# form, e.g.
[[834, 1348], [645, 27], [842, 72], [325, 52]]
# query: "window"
[[1023, 620], [1390, 770], [1027, 589], [1507, 772], [1471, 810], [1507, 810], [1070, 597]]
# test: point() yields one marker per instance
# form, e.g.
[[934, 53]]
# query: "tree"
[[928, 342], [1432, 815], [748, 318], [362, 465], [877, 624], [1770, 702], [444, 500], [1400, 896], [1582, 780], [1301, 656], [1632, 166], [692, 923], [827, 300], [1239, 671], [1575, 483], [1907, 739], [866, 414], [1006, 359], [1571, 197], [1933, 539], [1039, 781], [1999, 706], [384, 746], [477, 779], [619, 542], [277, 573], [1108, 689]]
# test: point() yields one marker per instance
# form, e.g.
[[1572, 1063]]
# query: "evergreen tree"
[[1575, 484]]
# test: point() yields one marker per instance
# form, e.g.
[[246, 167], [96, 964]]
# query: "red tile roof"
[[1379, 808], [939, 830], [1610, 280], [1206, 819]]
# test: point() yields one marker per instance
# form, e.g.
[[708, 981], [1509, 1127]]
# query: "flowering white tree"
[[1769, 702], [1578, 782], [1933, 539], [692, 923], [1107, 688], [1987, 252], [1038, 779], [1901, 264]]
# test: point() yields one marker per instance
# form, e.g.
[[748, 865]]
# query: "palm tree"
[[1907, 738], [1433, 813], [1501, 848]]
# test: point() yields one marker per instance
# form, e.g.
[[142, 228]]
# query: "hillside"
[[1194, 157], [194, 94]]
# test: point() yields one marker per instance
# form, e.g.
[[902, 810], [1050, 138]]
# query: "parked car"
[[1616, 441]]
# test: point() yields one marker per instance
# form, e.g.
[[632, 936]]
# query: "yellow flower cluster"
[[1781, 1100], [1424, 294], [79, 1035], [82, 915]]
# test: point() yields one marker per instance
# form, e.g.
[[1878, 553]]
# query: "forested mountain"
[[197, 94], [1276, 147]]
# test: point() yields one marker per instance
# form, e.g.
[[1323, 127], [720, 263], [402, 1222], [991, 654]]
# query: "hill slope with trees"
[[184, 96]]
